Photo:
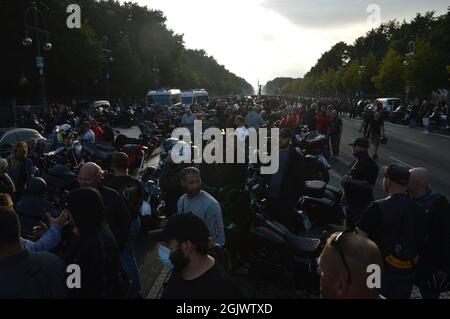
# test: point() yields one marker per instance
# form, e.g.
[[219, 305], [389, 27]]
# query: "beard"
[[179, 261]]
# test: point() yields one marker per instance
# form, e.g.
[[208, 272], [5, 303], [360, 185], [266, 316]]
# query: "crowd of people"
[[98, 224]]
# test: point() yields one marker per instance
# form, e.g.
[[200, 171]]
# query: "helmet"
[[166, 146], [36, 186], [65, 128]]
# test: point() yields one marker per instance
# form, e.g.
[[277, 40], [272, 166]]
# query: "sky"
[[264, 39]]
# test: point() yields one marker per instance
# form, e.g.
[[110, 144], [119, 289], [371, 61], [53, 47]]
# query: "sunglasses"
[[336, 242]]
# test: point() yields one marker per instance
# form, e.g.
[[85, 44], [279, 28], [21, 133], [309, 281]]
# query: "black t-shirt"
[[376, 126], [363, 169], [213, 284], [384, 226], [131, 190]]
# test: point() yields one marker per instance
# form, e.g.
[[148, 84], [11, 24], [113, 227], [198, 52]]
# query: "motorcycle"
[[152, 209], [312, 145], [270, 249]]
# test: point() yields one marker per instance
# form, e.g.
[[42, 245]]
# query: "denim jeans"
[[412, 122], [397, 286], [128, 259]]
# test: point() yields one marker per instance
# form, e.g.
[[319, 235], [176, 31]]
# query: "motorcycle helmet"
[[36, 186], [166, 146]]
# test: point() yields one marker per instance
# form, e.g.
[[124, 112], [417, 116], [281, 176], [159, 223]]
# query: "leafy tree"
[[391, 78]]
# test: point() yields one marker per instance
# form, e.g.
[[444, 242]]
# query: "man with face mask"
[[358, 183], [184, 245]]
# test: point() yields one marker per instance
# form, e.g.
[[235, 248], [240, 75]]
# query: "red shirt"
[[322, 120], [98, 133]]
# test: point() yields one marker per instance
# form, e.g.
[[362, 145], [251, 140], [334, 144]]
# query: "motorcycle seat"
[[314, 188], [302, 247], [311, 158]]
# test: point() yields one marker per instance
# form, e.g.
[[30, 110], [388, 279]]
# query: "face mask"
[[164, 256]]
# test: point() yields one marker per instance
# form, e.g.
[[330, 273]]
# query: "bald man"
[[339, 282], [434, 266], [117, 216]]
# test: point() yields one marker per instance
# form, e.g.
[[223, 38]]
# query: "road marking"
[[404, 163], [441, 135]]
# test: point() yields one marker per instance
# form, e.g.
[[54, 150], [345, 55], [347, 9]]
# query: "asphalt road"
[[406, 146]]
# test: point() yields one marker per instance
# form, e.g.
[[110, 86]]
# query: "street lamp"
[[42, 38], [107, 55], [411, 48]]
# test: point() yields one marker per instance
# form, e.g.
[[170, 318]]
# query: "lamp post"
[[107, 55], [42, 38], [411, 48]]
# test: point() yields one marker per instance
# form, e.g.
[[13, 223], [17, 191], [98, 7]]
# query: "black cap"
[[286, 133], [397, 173], [361, 142], [182, 227]]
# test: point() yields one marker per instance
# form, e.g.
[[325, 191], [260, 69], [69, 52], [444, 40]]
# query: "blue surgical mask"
[[164, 256]]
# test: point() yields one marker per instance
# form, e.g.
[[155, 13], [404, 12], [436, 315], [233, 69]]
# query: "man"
[[131, 190], [94, 248], [117, 216], [187, 120], [398, 226], [201, 204], [376, 132], [184, 245], [241, 130], [23, 274], [336, 128], [254, 118], [434, 268], [169, 179], [33, 205], [310, 117], [322, 120], [88, 134], [98, 132], [343, 267], [286, 185], [359, 181]]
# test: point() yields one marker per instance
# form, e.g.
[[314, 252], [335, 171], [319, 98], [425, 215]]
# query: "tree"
[[391, 77], [425, 71], [352, 78], [369, 70]]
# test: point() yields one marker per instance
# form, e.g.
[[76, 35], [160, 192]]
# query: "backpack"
[[439, 233], [405, 249]]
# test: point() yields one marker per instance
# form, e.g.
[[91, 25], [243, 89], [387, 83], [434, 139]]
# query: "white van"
[[389, 104], [169, 98], [190, 97]]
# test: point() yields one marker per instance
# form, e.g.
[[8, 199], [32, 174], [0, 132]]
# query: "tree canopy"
[[384, 61], [146, 54]]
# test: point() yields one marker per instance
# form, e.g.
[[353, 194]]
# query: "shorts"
[[375, 139]]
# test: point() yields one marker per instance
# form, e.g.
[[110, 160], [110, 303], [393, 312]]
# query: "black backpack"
[[404, 250], [439, 233]]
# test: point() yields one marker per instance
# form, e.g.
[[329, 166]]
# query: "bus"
[[190, 97], [169, 98]]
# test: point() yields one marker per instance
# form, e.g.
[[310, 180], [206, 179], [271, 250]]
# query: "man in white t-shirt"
[[88, 134], [241, 129]]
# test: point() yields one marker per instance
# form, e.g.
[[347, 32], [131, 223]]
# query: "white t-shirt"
[[241, 133], [89, 136]]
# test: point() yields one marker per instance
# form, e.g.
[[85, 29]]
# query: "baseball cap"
[[397, 173], [360, 142], [182, 227]]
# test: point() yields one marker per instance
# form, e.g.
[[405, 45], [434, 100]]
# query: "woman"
[[20, 166], [6, 183], [376, 132], [94, 248]]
